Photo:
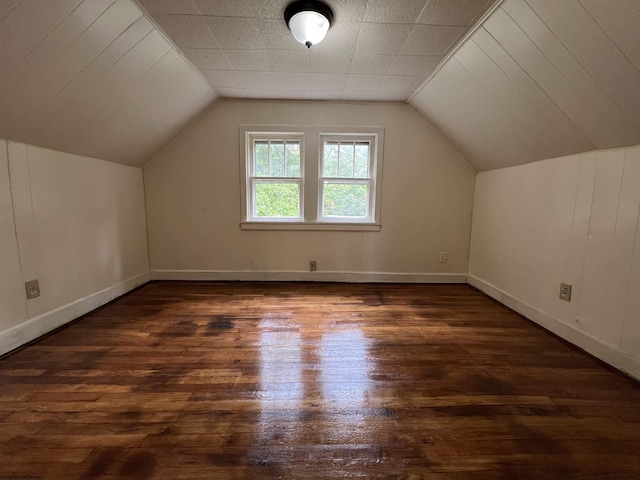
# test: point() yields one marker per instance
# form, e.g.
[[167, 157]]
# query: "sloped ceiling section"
[[93, 77], [541, 79]]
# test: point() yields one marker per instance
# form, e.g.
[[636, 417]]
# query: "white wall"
[[76, 224], [193, 202], [576, 220]]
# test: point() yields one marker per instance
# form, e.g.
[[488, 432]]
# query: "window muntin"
[[276, 182], [337, 191], [346, 184]]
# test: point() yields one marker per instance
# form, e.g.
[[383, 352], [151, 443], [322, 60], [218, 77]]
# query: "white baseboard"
[[602, 351], [301, 276], [36, 327]]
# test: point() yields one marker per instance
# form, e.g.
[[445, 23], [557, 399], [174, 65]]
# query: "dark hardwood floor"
[[312, 381]]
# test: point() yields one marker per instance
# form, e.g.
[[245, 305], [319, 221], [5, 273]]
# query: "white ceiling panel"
[[222, 78], [407, 38], [75, 74], [414, 65], [378, 11], [382, 38], [432, 39], [248, 60], [181, 95], [562, 124], [170, 7], [6, 6], [290, 60], [400, 83], [277, 38], [207, 58], [327, 62], [620, 23], [595, 50], [619, 124], [363, 83], [539, 79], [328, 81], [125, 108], [459, 13], [187, 31], [372, 64], [122, 76], [23, 28], [54, 44], [295, 82], [257, 80], [69, 100], [236, 33], [240, 8]]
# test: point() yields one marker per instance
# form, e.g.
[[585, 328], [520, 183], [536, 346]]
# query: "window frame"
[[370, 180], [252, 179], [311, 157]]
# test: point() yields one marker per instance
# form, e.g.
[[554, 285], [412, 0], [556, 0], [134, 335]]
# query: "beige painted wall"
[[193, 198], [75, 223], [576, 220]]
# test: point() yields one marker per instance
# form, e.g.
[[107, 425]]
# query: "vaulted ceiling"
[[541, 79], [116, 80]]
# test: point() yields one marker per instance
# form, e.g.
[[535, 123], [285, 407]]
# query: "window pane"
[[293, 159], [346, 161], [277, 199], [262, 159], [277, 159], [345, 200], [330, 160], [362, 161]]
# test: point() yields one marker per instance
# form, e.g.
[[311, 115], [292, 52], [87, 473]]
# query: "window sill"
[[336, 226]]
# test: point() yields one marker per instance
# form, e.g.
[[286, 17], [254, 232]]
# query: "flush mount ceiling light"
[[308, 20]]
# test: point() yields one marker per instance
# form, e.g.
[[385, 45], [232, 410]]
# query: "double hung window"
[[315, 178], [276, 178], [346, 181]]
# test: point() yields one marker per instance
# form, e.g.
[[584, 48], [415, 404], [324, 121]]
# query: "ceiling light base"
[[308, 20]]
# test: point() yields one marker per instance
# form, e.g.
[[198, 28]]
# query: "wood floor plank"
[[244, 381]]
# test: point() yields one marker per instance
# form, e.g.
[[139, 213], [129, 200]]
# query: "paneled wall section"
[[574, 220], [77, 224]]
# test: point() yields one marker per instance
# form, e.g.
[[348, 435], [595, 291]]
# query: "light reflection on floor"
[[345, 379], [281, 384], [324, 375]]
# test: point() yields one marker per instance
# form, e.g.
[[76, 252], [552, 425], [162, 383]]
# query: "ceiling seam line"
[[47, 36], [453, 51], [170, 41], [531, 100], [604, 31], [89, 87], [589, 74], [138, 81], [555, 68]]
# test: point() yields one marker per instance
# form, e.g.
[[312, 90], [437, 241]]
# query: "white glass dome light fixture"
[[308, 20]]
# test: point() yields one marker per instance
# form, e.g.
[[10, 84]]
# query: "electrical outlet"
[[33, 289], [443, 257], [313, 266], [565, 292]]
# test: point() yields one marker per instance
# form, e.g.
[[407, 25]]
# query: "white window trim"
[[248, 179], [372, 201], [311, 138]]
